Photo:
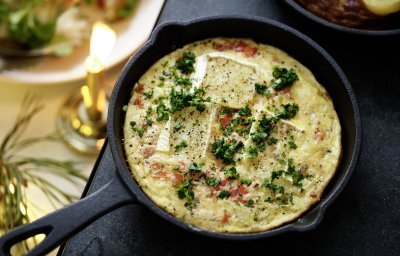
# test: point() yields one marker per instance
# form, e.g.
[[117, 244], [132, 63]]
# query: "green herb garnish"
[[292, 145], [245, 111], [224, 150], [136, 129], [183, 99], [245, 181], [267, 183], [272, 140], [213, 181], [262, 89], [289, 111], [177, 127], [185, 64], [181, 145], [224, 194], [162, 112], [149, 94], [183, 81], [252, 151], [283, 78], [232, 173], [185, 190], [195, 167], [276, 174], [250, 203]]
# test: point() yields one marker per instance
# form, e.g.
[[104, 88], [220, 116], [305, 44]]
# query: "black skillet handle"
[[67, 221]]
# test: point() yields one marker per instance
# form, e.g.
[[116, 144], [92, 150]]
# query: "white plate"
[[131, 34]]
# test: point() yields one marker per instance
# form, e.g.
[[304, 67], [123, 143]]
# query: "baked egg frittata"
[[232, 136]]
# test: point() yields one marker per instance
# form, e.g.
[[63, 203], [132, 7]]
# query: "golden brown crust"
[[349, 13]]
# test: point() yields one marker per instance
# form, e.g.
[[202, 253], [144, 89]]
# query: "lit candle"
[[101, 44]]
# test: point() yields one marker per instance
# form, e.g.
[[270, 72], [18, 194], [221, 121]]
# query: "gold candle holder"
[[82, 120]]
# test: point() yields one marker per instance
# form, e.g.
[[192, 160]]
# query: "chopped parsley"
[[183, 99], [245, 111], [149, 95], [296, 173], [213, 181], [283, 78], [245, 181], [289, 111], [292, 145], [224, 194], [181, 145], [162, 112], [276, 174], [195, 167], [177, 127], [262, 89], [185, 64], [267, 183], [252, 152], [250, 203], [149, 121], [136, 129], [225, 150], [183, 81], [272, 140], [232, 173], [185, 190], [258, 139], [265, 126]]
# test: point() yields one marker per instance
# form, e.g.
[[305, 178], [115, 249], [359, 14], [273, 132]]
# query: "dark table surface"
[[365, 218]]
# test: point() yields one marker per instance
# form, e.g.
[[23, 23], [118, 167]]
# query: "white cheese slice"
[[163, 139], [231, 81], [195, 130]]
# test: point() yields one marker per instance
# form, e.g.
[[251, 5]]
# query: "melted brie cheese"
[[254, 184]]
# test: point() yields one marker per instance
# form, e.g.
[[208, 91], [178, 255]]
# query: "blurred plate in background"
[[131, 34]]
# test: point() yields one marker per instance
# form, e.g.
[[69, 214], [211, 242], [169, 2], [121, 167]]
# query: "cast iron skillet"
[[392, 29], [123, 189]]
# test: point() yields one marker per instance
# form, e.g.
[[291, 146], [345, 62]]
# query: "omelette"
[[230, 135]]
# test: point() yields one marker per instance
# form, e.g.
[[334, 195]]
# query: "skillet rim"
[[123, 172]]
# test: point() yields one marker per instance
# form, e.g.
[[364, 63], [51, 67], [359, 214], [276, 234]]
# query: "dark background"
[[364, 219]]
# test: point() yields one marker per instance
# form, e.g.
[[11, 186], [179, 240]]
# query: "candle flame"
[[102, 41], [86, 96]]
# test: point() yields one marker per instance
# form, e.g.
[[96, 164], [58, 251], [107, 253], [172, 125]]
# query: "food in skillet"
[[352, 13], [231, 136]]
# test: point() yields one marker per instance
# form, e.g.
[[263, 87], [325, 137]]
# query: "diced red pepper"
[[222, 46], [221, 184], [226, 120], [139, 88], [178, 178], [225, 218], [161, 175], [139, 101], [245, 48], [148, 151]]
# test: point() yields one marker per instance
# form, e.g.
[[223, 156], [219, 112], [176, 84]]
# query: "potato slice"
[[382, 7]]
